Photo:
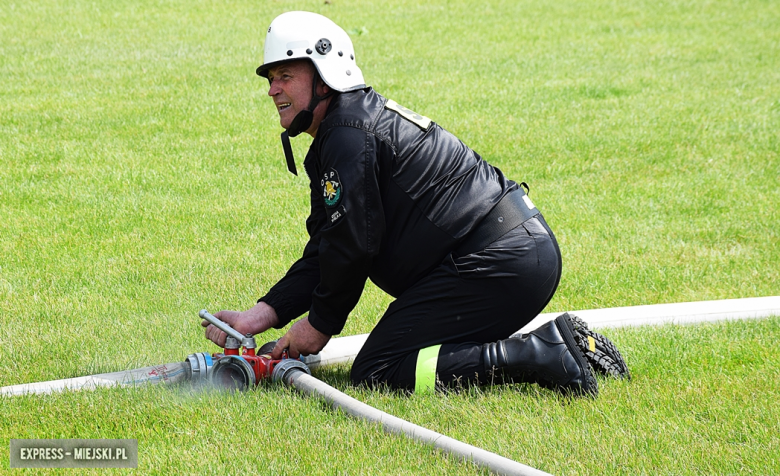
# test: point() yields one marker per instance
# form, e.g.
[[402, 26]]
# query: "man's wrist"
[[281, 307], [265, 314], [321, 325]]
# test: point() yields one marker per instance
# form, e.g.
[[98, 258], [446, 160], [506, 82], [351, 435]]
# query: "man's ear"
[[322, 88]]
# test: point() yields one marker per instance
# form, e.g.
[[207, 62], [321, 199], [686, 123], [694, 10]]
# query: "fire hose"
[[241, 366], [295, 377], [197, 367]]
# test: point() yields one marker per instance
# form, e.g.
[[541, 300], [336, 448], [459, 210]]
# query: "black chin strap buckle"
[[288, 153]]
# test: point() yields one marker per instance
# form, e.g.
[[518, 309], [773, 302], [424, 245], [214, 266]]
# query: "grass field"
[[141, 179]]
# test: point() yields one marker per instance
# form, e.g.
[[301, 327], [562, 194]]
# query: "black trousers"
[[465, 302]]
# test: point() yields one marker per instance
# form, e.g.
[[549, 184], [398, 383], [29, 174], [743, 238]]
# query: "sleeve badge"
[[331, 188]]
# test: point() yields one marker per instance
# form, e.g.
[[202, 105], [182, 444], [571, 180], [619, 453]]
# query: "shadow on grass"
[[339, 378]]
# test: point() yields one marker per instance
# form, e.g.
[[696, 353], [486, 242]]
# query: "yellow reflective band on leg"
[[425, 376]]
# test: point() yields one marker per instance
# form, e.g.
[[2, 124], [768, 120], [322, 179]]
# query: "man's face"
[[291, 89]]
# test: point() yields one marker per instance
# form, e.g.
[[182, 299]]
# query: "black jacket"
[[392, 194]]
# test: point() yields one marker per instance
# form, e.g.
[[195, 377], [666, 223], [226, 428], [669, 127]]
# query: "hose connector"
[[287, 368], [232, 372], [199, 367]]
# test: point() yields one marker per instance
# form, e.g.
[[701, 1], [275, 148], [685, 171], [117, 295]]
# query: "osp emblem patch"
[[331, 188]]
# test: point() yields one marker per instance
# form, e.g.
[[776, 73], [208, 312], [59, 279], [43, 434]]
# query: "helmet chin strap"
[[300, 123]]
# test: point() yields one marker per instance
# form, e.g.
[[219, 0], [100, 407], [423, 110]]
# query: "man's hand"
[[258, 319], [302, 338]]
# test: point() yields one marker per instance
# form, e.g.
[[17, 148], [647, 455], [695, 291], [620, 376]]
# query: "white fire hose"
[[343, 350]]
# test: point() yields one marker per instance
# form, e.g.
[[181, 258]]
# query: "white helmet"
[[305, 35]]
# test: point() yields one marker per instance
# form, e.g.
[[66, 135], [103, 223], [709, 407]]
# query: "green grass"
[[141, 179]]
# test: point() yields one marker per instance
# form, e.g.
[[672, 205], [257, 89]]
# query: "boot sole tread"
[[567, 330], [607, 358]]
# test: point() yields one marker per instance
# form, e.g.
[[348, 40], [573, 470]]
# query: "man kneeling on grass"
[[399, 200]]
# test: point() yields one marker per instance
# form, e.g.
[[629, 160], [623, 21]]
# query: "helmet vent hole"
[[308, 51], [341, 53], [289, 53]]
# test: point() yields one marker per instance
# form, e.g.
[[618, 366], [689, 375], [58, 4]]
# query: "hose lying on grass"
[[296, 375]]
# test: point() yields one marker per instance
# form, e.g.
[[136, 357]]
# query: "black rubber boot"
[[548, 356], [601, 353]]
